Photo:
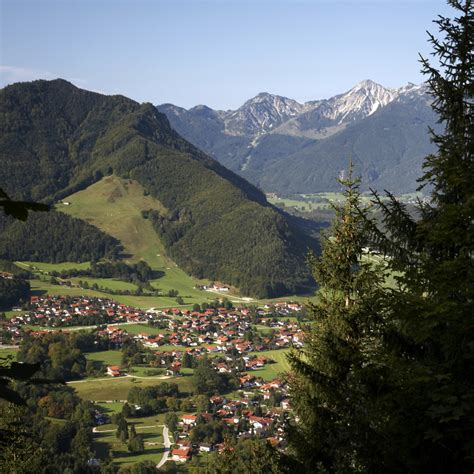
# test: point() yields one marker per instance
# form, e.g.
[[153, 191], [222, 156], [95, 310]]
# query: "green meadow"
[[106, 443], [106, 357], [118, 388], [272, 370]]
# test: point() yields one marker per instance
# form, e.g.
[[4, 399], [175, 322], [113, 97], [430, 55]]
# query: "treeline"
[[139, 272], [13, 291], [151, 400], [54, 237], [61, 355]]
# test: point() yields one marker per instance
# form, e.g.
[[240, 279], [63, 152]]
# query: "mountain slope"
[[385, 147], [56, 139], [284, 146]]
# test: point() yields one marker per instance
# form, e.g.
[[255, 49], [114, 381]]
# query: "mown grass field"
[[53, 267], [143, 328], [109, 408], [107, 443], [109, 283], [113, 389], [106, 357], [271, 371]]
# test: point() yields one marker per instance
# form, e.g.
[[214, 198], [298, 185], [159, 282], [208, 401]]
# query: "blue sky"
[[219, 53]]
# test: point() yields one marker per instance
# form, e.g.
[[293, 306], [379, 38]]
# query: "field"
[[41, 287], [105, 441], [7, 352], [271, 371], [51, 267], [106, 357], [117, 388], [143, 328]]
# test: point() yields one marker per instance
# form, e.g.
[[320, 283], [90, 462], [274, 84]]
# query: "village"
[[239, 343]]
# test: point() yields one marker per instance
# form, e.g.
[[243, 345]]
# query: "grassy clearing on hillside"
[[114, 205]]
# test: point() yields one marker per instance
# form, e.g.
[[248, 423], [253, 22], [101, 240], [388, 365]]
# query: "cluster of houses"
[[240, 418], [221, 329], [64, 311]]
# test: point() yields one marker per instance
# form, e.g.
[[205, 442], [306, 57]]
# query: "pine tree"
[[430, 417], [337, 376], [135, 443], [122, 428]]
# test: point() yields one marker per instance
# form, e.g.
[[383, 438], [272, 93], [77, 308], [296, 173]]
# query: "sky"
[[216, 52]]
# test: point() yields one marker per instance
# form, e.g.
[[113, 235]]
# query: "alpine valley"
[[287, 147]]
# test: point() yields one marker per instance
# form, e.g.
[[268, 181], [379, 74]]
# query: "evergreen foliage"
[[432, 411], [386, 381], [13, 291], [139, 272], [54, 237], [337, 376]]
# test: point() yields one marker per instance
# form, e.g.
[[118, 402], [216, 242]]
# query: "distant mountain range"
[[56, 139], [284, 146]]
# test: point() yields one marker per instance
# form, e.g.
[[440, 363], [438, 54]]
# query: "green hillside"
[[115, 206], [56, 140]]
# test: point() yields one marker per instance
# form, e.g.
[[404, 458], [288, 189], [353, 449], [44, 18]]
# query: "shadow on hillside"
[[157, 274], [38, 292]]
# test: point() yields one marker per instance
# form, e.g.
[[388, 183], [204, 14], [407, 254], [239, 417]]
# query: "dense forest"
[[54, 237]]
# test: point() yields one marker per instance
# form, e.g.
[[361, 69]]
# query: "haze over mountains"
[[56, 139], [284, 146]]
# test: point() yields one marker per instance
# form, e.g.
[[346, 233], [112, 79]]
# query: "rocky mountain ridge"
[[260, 139]]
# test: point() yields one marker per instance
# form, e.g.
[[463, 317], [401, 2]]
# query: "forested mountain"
[[56, 139], [287, 147]]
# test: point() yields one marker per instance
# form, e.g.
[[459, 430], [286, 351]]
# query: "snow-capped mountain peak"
[[362, 100], [261, 113]]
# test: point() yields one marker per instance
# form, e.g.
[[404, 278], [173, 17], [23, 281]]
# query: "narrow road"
[[167, 443]]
